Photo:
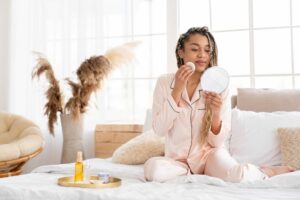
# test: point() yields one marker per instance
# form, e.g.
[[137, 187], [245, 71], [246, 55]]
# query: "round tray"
[[69, 182]]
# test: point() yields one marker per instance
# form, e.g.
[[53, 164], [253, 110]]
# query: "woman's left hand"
[[215, 101]]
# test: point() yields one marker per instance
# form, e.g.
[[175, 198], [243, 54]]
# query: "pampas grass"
[[53, 94], [90, 75], [121, 54]]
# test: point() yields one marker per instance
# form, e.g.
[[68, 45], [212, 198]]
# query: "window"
[[258, 48], [296, 49], [70, 31], [129, 90]]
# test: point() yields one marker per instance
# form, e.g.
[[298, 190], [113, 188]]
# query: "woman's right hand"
[[181, 77]]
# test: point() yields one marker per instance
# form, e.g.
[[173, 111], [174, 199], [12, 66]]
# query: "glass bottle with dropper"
[[78, 168]]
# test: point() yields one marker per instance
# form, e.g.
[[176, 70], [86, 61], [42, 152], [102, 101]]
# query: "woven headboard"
[[266, 100]]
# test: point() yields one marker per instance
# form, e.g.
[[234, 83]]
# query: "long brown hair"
[[206, 120]]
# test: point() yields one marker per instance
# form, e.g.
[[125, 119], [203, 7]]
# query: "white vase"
[[72, 137]]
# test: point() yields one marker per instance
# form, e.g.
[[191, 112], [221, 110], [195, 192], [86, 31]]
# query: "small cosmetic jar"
[[104, 177]]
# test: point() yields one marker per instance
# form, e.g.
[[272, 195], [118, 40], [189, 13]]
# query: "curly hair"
[[207, 118], [202, 31]]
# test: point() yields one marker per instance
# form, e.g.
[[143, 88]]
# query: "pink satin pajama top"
[[181, 124]]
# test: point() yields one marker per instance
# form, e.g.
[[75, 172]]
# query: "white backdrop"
[[22, 32], [68, 32]]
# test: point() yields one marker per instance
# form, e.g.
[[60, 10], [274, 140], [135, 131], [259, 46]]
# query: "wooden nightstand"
[[108, 137]]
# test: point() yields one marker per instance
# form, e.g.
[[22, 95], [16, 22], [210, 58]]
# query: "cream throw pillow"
[[139, 149], [289, 139]]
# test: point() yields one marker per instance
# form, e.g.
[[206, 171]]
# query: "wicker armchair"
[[20, 140]]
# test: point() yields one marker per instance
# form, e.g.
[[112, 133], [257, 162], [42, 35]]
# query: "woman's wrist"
[[176, 96], [216, 125]]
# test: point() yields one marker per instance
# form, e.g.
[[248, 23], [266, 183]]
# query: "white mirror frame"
[[215, 79]]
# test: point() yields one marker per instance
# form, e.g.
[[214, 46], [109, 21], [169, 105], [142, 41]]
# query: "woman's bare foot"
[[276, 170]]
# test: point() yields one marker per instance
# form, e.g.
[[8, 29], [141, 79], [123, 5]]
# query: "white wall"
[[4, 52]]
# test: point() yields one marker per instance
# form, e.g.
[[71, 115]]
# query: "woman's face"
[[196, 50]]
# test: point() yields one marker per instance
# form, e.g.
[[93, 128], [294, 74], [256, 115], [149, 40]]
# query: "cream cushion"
[[268, 100], [289, 139], [139, 149], [18, 137]]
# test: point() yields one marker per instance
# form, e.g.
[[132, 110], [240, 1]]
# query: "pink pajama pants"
[[219, 164]]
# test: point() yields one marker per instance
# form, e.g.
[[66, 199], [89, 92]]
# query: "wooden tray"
[[69, 182]]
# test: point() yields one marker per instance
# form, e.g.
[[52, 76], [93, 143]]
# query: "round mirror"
[[215, 79]]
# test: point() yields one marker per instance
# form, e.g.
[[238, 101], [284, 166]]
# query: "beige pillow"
[[289, 139], [139, 149], [268, 100]]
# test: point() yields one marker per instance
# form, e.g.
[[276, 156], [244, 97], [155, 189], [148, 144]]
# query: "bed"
[[42, 182]]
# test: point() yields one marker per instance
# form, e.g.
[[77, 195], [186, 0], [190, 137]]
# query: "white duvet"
[[41, 184]]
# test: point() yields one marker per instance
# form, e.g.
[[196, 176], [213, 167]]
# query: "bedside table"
[[108, 137]]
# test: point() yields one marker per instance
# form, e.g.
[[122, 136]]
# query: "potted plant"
[[90, 75]]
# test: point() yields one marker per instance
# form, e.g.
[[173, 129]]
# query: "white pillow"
[[254, 136]]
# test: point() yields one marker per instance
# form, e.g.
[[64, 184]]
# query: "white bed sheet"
[[42, 184]]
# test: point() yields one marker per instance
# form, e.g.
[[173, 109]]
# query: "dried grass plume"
[[90, 75], [53, 93]]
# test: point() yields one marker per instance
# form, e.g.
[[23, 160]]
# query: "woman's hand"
[[181, 77], [215, 102]]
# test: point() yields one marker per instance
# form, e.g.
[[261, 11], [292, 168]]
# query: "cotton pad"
[[191, 65]]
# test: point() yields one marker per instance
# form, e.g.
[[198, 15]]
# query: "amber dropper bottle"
[[78, 168]]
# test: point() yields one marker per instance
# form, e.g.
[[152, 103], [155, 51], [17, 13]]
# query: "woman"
[[195, 122]]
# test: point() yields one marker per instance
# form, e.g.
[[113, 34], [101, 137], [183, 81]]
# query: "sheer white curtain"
[[4, 53], [60, 29], [68, 32], [65, 31]]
